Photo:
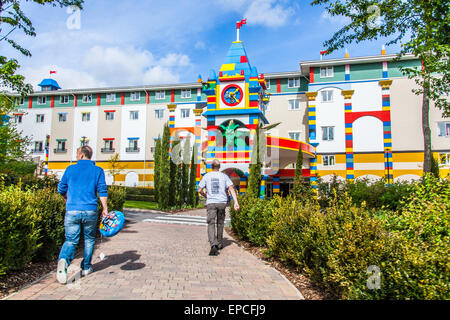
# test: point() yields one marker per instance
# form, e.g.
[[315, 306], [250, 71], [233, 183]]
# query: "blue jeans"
[[73, 222]]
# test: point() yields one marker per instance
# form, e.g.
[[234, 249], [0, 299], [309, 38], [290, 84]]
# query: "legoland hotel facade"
[[354, 117]]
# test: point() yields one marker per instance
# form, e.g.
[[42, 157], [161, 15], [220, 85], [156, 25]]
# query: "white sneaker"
[[61, 272], [86, 272]]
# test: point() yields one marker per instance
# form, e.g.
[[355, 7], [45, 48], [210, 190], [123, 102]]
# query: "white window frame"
[[296, 82], [133, 144], [329, 94], [186, 93], [330, 160], [160, 95], [295, 102], [329, 72], [183, 113], [135, 96], [87, 98], [87, 118], [40, 118], [62, 116], [21, 101], [159, 112], [62, 100], [327, 129], [17, 118], [108, 144], [134, 115], [447, 159], [445, 125], [61, 143], [41, 145], [109, 114], [111, 97], [296, 133], [42, 100], [268, 84]]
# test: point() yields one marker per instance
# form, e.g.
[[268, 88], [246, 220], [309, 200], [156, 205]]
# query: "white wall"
[[367, 135], [367, 97], [185, 122], [330, 114], [35, 131], [86, 129], [133, 129]]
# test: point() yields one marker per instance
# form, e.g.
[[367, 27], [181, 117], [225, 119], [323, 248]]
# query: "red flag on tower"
[[240, 23], [51, 72]]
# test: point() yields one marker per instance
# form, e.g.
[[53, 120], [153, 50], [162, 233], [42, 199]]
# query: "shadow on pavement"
[[129, 259]]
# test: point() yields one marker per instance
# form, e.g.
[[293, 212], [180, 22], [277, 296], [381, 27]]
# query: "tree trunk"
[[426, 129]]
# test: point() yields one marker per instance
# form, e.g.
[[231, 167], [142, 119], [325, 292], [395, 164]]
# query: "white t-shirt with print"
[[216, 184]]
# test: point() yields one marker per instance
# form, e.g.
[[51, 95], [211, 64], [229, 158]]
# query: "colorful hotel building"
[[352, 117]]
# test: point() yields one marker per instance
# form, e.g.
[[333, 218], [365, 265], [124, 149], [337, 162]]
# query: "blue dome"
[[49, 83]]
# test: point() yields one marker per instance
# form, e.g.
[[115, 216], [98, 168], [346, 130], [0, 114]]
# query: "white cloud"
[[340, 20], [268, 13]]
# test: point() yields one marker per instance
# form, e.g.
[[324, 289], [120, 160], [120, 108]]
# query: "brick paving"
[[166, 261]]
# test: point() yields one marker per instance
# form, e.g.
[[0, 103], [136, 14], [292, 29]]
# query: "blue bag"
[[112, 224]]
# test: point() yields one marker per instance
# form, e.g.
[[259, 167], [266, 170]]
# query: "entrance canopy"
[[287, 150]]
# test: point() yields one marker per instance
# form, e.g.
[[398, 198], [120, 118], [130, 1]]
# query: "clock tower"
[[236, 102]]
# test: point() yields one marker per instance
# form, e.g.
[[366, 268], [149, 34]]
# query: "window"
[[327, 95], [185, 93], [152, 149], [86, 116], [18, 118], [61, 145], [159, 113], [135, 96], [328, 161], [185, 113], [64, 99], [110, 97], [38, 146], [87, 98], [268, 84], [294, 135], [40, 118], [294, 104], [62, 117], [327, 133], [109, 115], [134, 115], [132, 145], [444, 158], [444, 129], [326, 72], [21, 101], [109, 146], [294, 83], [160, 95], [41, 100], [84, 141]]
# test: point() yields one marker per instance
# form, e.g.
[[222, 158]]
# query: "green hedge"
[[32, 224], [140, 197], [337, 246]]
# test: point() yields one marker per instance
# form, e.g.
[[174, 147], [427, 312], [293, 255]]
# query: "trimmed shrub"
[[140, 197]]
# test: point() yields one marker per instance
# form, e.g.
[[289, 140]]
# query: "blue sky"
[[132, 42]]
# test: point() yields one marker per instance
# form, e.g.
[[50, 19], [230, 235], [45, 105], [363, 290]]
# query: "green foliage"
[[336, 246], [157, 168], [254, 179], [164, 166], [374, 195], [192, 192], [31, 225]]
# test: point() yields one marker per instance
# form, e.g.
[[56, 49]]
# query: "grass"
[[140, 205]]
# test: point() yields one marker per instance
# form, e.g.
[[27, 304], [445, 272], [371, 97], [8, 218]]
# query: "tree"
[[174, 185], [298, 172], [164, 169], [116, 167], [156, 168], [423, 28], [12, 19], [12, 144], [184, 183], [193, 193], [254, 179]]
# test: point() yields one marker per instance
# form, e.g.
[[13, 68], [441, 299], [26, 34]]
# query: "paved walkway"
[[148, 260]]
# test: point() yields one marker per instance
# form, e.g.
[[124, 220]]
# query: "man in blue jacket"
[[79, 186]]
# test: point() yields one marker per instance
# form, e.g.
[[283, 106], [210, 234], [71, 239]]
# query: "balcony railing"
[[107, 150], [60, 150], [133, 150], [37, 151]]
